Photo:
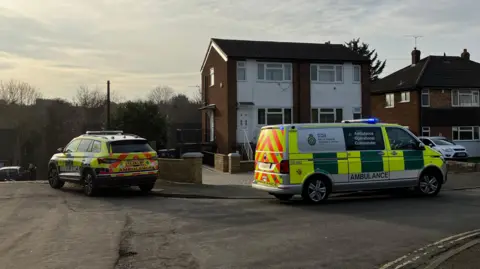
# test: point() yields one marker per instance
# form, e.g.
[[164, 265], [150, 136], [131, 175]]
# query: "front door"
[[66, 168], [367, 158], [406, 162], [243, 126]]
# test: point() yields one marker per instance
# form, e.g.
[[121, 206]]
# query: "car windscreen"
[[126, 146], [442, 142]]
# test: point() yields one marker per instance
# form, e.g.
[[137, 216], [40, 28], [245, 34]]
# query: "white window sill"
[[356, 82], [271, 81], [405, 101], [321, 82], [463, 106], [425, 106], [389, 106]]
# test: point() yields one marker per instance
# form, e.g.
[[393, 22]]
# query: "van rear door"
[[269, 156]]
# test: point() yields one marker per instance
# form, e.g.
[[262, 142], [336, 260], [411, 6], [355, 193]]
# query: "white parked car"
[[449, 150]]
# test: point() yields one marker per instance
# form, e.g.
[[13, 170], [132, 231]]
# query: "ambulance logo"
[[311, 140]]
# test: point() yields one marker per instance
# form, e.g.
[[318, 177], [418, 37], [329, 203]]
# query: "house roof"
[[432, 72], [287, 50]]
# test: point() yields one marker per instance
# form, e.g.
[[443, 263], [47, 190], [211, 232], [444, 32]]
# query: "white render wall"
[[346, 95]]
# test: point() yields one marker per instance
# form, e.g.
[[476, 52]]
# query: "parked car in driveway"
[[447, 148], [13, 173]]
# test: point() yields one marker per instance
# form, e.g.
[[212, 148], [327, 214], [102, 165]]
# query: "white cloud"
[[57, 45]]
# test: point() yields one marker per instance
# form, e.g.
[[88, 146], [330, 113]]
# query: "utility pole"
[[108, 104]]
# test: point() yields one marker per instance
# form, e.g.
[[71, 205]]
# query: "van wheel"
[[316, 190], [283, 197], [89, 187], [430, 183], [146, 188], [54, 179]]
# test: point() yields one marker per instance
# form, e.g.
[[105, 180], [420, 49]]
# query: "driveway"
[[46, 228]]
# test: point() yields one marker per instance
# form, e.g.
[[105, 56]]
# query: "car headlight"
[[448, 150]]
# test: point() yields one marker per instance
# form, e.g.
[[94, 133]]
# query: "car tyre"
[[146, 188], [430, 183], [316, 190], [89, 186], [283, 197], [54, 179]]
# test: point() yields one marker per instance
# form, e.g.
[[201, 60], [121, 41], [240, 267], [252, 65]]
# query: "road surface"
[[45, 228]]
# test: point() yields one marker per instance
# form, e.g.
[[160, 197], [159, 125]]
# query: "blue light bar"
[[369, 121]]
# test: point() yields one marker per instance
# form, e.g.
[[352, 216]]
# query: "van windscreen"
[[126, 146]]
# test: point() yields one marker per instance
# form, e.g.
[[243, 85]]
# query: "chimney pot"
[[465, 54], [415, 56]]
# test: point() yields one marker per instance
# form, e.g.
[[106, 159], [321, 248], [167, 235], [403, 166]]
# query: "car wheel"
[[89, 187], [146, 188], [54, 179], [316, 190], [283, 197], [429, 184]]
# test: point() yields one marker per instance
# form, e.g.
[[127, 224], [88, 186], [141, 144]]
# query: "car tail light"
[[284, 167]]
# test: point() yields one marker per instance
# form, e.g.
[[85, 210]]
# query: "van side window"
[[363, 138], [400, 139]]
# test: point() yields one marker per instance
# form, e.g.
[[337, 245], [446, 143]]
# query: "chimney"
[[415, 56], [465, 54]]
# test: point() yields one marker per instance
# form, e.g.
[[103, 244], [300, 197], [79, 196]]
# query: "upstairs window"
[[274, 72], [389, 100], [357, 113], [425, 98], [425, 131], [465, 98], [212, 76], [356, 74], [241, 71], [405, 97], [326, 73]]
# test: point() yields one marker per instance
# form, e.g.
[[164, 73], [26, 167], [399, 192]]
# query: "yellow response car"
[[314, 160], [104, 159]]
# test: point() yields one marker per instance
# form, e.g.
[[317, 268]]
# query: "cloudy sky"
[[57, 45]]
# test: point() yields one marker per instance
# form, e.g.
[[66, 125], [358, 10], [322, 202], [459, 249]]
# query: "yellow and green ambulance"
[[315, 160]]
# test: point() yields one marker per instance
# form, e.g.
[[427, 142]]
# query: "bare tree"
[[197, 96], [89, 98], [161, 95], [18, 92]]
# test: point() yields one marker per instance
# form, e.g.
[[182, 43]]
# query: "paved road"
[[45, 228]]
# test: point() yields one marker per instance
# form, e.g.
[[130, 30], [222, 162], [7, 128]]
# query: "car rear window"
[[125, 146]]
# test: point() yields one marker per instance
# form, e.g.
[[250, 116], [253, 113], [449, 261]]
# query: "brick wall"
[[181, 170], [221, 162], [440, 98], [441, 131], [407, 114]]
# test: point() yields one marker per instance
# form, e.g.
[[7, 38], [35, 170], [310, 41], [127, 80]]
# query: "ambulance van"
[[315, 160]]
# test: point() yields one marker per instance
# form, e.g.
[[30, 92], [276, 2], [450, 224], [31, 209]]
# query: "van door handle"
[[394, 153]]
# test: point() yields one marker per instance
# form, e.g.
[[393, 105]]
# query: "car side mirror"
[[421, 146], [60, 150], [430, 145]]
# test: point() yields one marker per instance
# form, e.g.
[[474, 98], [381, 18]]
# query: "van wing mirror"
[[421, 146]]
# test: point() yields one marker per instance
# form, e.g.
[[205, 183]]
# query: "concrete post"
[[234, 163], [194, 160]]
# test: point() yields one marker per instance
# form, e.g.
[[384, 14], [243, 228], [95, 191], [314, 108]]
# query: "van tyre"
[[316, 190], [146, 188], [54, 179], [283, 197], [430, 183], [89, 186]]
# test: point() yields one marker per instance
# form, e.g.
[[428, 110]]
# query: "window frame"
[[424, 131], [212, 76], [91, 147], [283, 68], [333, 68], [412, 136], [90, 141], [357, 69], [387, 99], [359, 112], [473, 129], [405, 97], [425, 92], [319, 112], [71, 142], [267, 112], [472, 93], [242, 66]]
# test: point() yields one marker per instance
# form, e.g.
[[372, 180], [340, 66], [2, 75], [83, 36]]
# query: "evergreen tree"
[[376, 66]]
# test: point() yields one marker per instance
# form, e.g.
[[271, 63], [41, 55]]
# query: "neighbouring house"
[[433, 96], [249, 84]]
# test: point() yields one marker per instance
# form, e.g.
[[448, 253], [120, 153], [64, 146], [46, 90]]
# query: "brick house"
[[249, 84], [436, 95]]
